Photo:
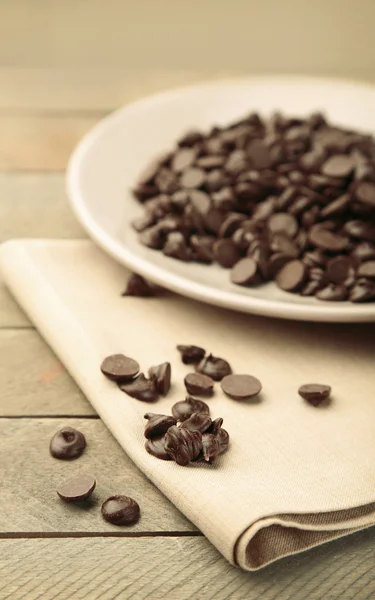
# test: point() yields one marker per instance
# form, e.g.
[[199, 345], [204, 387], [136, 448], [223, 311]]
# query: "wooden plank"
[[179, 569], [32, 205], [40, 143], [94, 90], [36, 205], [33, 381], [28, 499], [175, 35]]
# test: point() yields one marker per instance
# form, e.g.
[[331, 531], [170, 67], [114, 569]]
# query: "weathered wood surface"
[[178, 568], [28, 499], [33, 381]]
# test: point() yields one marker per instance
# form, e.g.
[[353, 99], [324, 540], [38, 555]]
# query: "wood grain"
[[40, 143], [28, 499], [308, 37], [32, 205], [179, 569], [33, 381]]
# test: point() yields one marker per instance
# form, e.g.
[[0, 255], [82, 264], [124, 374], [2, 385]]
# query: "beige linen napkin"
[[295, 476]]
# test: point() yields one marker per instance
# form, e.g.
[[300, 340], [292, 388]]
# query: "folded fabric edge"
[[273, 538]]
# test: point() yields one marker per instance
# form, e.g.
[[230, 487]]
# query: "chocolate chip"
[[185, 408], [191, 355], [214, 367], [230, 224], [283, 223], [241, 387], [67, 443], [175, 246], [140, 389], [197, 422], [339, 269], [245, 272], [199, 384], [210, 447], [332, 293], [223, 439], [314, 393], [152, 238], [336, 207], [360, 230], [210, 162], [192, 178], [326, 240], [367, 269], [138, 286], [292, 276], [190, 138], [364, 251], [120, 368], [121, 510], [161, 375], [362, 291], [338, 165], [226, 253], [78, 488], [215, 425], [365, 193], [183, 159], [182, 444], [281, 243], [277, 261], [156, 447], [158, 425]]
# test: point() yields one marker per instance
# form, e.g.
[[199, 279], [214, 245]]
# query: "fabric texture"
[[295, 476]]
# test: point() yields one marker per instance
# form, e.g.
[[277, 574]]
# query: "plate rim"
[[177, 283]]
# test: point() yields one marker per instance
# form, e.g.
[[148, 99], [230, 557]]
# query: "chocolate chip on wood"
[[67, 444], [77, 488], [121, 510]]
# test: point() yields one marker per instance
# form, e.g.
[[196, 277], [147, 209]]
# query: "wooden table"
[[52, 551]]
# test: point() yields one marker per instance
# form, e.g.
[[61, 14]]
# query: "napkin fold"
[[295, 476]]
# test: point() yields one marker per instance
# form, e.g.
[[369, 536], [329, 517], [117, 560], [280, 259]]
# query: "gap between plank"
[[95, 534]]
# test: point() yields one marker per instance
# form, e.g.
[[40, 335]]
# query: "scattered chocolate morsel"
[[197, 422], [185, 408], [223, 439], [210, 447], [214, 367], [182, 444], [191, 355], [140, 388], [78, 488], [156, 447], [240, 387], [121, 510], [199, 384], [245, 272], [138, 286], [158, 425], [314, 393], [332, 293], [260, 193], [292, 276], [67, 444], [161, 375], [119, 367]]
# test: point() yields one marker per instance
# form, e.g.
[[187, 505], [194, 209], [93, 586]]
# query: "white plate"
[[105, 166]]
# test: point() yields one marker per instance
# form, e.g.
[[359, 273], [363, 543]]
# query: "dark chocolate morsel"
[[121, 510], [314, 393], [77, 488], [119, 367], [67, 444], [140, 389]]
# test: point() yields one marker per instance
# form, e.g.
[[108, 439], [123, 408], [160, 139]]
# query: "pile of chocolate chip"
[[284, 199], [196, 438]]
